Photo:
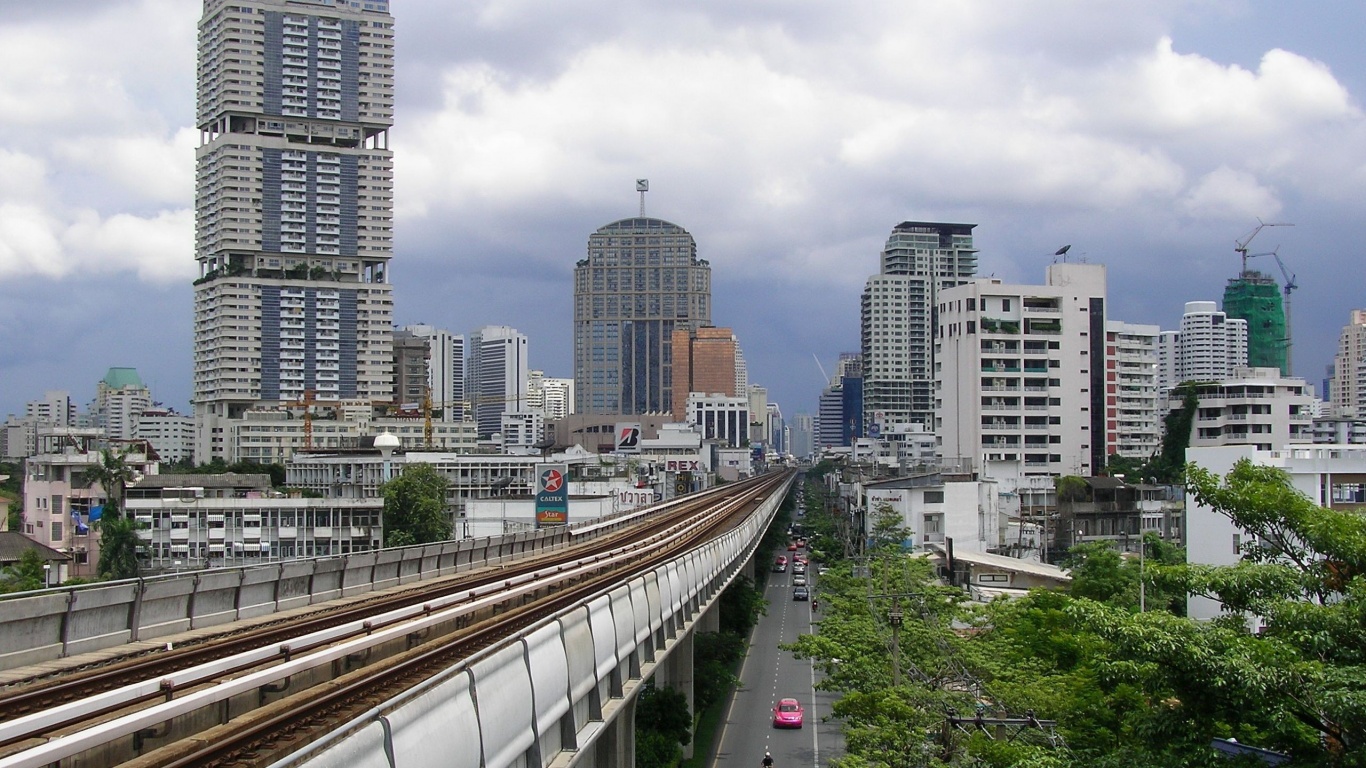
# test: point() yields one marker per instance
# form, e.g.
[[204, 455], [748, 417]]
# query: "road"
[[769, 674]]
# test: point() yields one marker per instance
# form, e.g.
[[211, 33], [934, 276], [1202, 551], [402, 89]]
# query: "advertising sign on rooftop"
[[552, 495]]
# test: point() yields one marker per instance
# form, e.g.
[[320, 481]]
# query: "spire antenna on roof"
[[642, 186]]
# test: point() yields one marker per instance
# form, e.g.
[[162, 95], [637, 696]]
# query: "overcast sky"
[[788, 136]]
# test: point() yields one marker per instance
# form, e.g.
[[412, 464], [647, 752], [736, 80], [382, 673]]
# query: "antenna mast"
[[642, 186]]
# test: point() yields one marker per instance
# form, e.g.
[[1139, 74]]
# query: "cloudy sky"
[[789, 136]]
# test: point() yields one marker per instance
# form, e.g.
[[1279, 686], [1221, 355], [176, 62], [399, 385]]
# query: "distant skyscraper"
[[1256, 298], [802, 433], [704, 362], [445, 370], [1209, 347], [497, 379], [1348, 390], [897, 319], [294, 206], [641, 280], [120, 397]]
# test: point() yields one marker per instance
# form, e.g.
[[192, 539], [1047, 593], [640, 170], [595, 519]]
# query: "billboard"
[[552, 495], [628, 437]]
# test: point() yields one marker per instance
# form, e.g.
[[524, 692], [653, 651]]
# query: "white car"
[[798, 581]]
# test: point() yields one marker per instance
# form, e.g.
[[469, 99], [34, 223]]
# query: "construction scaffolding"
[[1256, 298]]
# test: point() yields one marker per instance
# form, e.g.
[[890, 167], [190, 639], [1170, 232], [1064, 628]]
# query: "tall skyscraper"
[[897, 319], [641, 280], [294, 206], [497, 378], [1255, 297]]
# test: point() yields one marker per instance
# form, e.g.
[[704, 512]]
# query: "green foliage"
[[25, 575], [415, 507], [1098, 573], [1071, 488], [741, 605], [1170, 462], [119, 547], [715, 657], [889, 531], [665, 711]]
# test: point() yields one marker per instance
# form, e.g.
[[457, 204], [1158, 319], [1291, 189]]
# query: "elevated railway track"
[[245, 697]]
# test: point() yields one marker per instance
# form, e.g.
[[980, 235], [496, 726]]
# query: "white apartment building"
[[1133, 402], [1254, 406], [293, 208], [919, 261], [557, 398], [1021, 375], [211, 521], [58, 500], [760, 424], [445, 370], [170, 434], [496, 379], [522, 431], [719, 417], [1349, 369], [1209, 346], [1332, 476]]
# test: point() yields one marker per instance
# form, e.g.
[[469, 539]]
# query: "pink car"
[[787, 714]]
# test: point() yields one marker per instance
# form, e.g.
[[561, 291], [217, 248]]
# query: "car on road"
[[792, 546], [787, 713], [798, 581], [801, 593], [780, 565], [799, 568]]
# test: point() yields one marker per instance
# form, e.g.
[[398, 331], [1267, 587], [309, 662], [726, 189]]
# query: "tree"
[[889, 532], [415, 507], [25, 575], [118, 535], [663, 724]]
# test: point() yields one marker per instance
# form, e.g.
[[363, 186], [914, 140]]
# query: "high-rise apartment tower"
[[642, 279], [293, 206], [898, 317]]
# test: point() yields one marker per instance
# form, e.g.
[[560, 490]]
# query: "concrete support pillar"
[[616, 747], [749, 570], [677, 673], [710, 620]]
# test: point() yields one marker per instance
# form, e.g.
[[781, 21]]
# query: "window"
[[934, 497]]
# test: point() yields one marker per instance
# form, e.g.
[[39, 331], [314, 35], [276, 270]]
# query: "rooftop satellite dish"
[[1063, 250], [501, 483]]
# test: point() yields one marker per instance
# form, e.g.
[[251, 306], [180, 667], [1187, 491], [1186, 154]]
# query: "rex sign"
[[552, 495]]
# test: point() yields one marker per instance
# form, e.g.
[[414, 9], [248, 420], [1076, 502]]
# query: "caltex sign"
[[552, 495]]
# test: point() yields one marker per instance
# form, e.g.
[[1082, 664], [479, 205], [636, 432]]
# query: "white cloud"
[[1230, 195], [22, 176], [158, 248], [28, 242], [152, 168]]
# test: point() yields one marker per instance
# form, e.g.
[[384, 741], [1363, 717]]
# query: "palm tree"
[[113, 474], [118, 535]]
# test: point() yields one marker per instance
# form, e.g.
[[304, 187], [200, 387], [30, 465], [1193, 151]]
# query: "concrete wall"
[[41, 626]]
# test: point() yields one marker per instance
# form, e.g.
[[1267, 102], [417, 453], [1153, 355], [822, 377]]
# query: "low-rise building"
[[60, 503], [1254, 406], [199, 521]]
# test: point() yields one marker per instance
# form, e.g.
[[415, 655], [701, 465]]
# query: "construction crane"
[[1290, 285], [1240, 246], [466, 406], [306, 402]]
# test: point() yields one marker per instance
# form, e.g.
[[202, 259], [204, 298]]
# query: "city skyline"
[[1150, 139]]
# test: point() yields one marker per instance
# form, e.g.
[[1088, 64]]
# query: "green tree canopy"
[[415, 507]]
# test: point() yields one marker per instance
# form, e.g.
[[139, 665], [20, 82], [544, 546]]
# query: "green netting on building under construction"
[[1256, 298]]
